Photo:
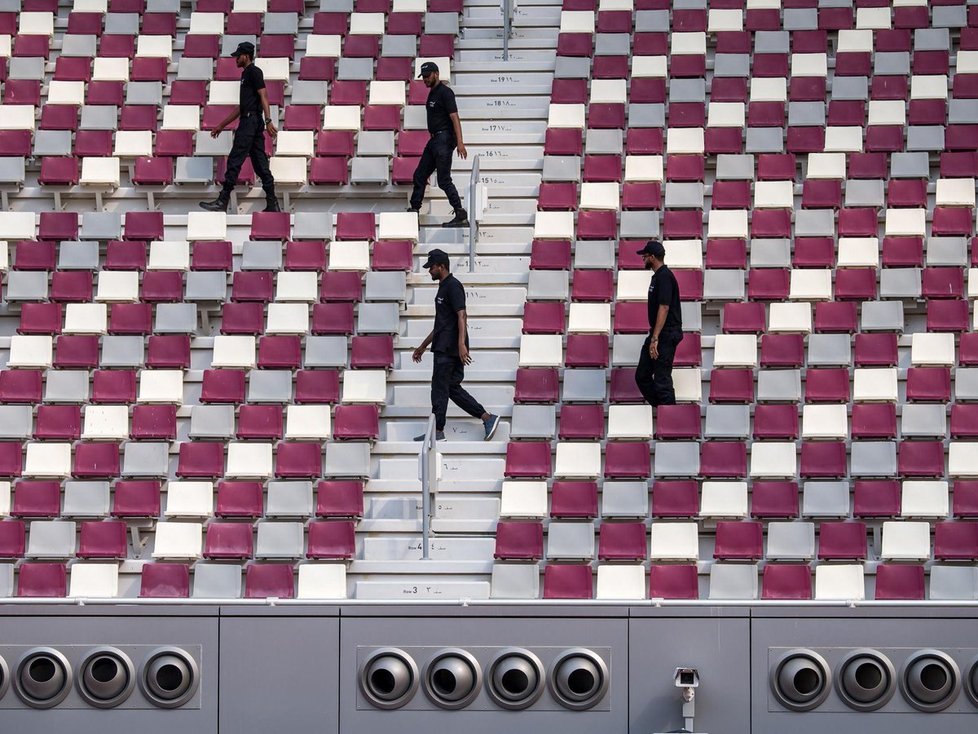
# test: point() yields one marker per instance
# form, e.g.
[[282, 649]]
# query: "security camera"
[[687, 678]]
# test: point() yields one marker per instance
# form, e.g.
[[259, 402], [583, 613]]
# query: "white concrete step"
[[519, 59], [408, 548], [420, 586], [469, 62]]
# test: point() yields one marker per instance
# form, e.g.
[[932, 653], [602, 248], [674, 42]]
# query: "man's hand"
[[271, 130], [463, 354], [419, 353], [462, 152], [217, 131], [654, 348]]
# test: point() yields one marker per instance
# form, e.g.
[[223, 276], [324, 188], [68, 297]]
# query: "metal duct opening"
[[170, 677], [43, 678], [515, 679], [930, 681], [389, 678], [579, 679], [971, 687], [4, 677], [453, 678], [800, 680], [866, 680], [106, 677]]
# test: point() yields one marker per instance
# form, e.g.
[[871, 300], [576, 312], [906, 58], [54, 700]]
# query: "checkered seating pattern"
[[810, 168], [177, 406], [111, 97]]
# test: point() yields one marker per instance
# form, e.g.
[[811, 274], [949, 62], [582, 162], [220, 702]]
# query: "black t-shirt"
[[441, 104], [449, 300], [664, 291], [252, 79]]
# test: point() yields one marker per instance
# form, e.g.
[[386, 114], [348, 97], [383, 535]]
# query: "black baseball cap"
[[428, 67], [654, 248], [436, 257], [245, 47]]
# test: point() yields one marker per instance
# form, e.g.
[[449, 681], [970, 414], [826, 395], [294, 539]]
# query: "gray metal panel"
[[279, 675], [896, 638], [718, 648], [137, 633]]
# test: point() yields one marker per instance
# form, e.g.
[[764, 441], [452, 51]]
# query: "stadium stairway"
[[504, 106]]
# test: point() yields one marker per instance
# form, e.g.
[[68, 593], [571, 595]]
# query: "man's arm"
[[463, 350], [459, 145], [419, 352], [263, 96], [227, 121], [660, 321]]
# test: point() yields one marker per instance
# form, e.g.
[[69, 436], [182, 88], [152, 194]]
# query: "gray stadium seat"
[[146, 459], [66, 386], [584, 385], [261, 255], [530, 421], [212, 421], [86, 499], [326, 351], [825, 499], [289, 499], [217, 581], [513, 581], [733, 581], [16, 421], [175, 318], [270, 386], [279, 540], [570, 541]]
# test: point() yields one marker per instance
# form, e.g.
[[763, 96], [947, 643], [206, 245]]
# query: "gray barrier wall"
[[370, 669]]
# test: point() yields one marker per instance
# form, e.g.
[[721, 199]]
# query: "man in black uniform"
[[449, 342], [249, 138], [654, 373], [446, 135]]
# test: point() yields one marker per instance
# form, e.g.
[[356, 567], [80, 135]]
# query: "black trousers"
[[654, 376], [446, 383], [437, 156], [249, 142]]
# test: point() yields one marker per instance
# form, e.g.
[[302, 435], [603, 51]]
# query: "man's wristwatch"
[[267, 123]]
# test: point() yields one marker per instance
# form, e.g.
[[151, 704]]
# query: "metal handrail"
[[507, 26], [428, 474], [475, 209]]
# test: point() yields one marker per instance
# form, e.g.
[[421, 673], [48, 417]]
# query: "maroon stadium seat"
[[264, 580], [103, 539], [675, 499], [622, 541], [519, 540], [842, 541], [136, 499], [229, 541], [786, 581], [739, 541], [578, 500], [568, 581], [165, 581], [333, 539], [42, 580], [239, 499]]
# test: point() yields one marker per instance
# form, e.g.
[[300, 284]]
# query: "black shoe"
[[490, 424], [439, 436], [413, 210], [220, 204], [271, 205], [461, 219]]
